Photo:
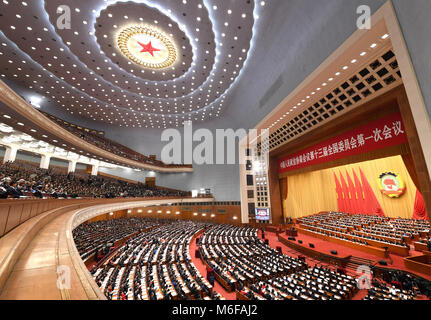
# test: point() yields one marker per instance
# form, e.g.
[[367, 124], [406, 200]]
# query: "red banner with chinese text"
[[383, 133]]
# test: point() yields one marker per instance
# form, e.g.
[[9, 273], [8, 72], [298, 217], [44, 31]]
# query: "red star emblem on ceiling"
[[148, 48]]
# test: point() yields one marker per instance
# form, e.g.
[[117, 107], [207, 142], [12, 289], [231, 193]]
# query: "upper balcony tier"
[[20, 115]]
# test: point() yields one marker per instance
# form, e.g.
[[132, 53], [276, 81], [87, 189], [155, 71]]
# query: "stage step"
[[361, 261], [352, 267], [354, 262]]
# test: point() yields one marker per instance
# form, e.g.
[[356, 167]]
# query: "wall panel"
[[26, 211], [14, 216], [4, 212]]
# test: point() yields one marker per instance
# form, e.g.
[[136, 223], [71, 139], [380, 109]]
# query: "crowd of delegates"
[[382, 291], [406, 282], [98, 237], [426, 241], [316, 283], [155, 265], [239, 257], [25, 180], [99, 140], [363, 228]]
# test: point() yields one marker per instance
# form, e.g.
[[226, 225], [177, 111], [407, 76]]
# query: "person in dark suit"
[[429, 243]]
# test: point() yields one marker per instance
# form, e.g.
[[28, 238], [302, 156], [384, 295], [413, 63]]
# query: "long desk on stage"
[[400, 250], [420, 263], [419, 246], [291, 233]]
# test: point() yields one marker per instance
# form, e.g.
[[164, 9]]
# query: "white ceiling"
[[284, 41], [82, 70]]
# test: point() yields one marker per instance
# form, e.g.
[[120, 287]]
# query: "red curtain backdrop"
[[419, 210], [357, 197]]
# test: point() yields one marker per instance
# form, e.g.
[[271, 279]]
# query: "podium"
[[291, 233]]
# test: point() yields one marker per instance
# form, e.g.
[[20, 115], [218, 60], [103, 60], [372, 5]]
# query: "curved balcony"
[[39, 126]]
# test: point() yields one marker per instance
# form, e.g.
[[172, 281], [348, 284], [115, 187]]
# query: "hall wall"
[[312, 192]]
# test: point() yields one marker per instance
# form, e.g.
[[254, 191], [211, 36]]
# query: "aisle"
[[202, 269]]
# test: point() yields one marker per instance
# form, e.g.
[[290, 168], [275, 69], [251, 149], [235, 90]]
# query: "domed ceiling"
[[141, 63]]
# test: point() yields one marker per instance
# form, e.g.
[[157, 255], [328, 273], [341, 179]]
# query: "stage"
[[322, 247]]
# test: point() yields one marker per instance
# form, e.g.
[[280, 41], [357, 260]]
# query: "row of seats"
[[97, 238], [363, 228], [317, 283], [239, 257], [20, 180], [155, 265], [382, 291]]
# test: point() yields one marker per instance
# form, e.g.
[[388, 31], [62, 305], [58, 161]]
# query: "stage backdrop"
[[313, 192]]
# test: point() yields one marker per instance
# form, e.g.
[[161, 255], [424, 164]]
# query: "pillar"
[[72, 166], [44, 161], [94, 169], [10, 154]]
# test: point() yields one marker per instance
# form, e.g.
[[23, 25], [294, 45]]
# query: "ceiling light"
[[35, 101]]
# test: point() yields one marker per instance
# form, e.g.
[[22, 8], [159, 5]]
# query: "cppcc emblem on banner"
[[391, 184]]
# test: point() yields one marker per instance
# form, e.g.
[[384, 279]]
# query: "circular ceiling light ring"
[[127, 34]]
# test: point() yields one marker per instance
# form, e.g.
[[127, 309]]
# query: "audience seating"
[[153, 265], [152, 262], [23, 180], [369, 230], [238, 257], [317, 283]]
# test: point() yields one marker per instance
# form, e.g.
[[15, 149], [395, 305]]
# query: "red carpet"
[[202, 269], [361, 294]]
